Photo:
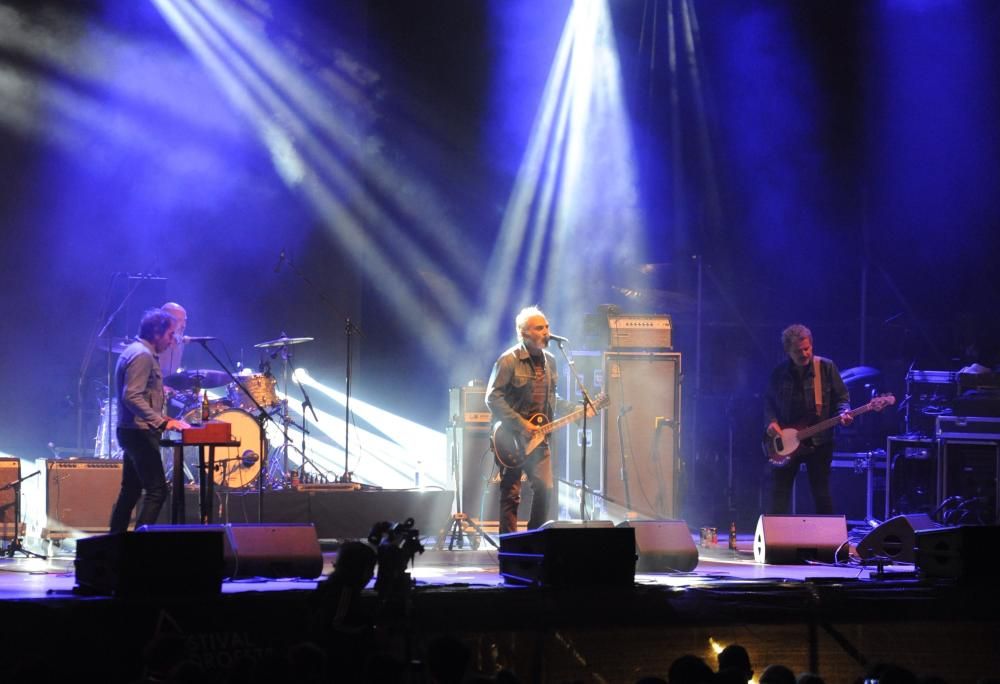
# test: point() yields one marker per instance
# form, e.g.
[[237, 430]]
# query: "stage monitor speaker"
[[963, 553], [569, 553], [79, 495], [168, 563], [261, 550], [271, 550], [791, 539], [644, 391], [10, 471], [663, 545], [895, 539]]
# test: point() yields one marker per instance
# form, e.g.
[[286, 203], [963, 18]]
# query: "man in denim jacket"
[[523, 384], [790, 400]]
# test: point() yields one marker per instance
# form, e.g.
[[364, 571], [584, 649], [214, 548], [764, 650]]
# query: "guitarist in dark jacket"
[[790, 401], [522, 385]]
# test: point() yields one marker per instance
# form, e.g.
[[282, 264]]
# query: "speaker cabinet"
[[590, 366], [479, 498], [663, 546], [168, 563], [275, 551], [963, 553], [10, 471], [969, 471], [264, 550], [895, 539], [569, 553], [642, 427], [79, 495], [791, 539], [911, 476]]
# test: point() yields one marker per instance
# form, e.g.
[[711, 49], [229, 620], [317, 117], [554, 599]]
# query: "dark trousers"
[[538, 468], [142, 471], [818, 464]]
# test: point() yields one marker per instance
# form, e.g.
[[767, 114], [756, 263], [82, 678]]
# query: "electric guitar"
[[780, 448], [511, 448]]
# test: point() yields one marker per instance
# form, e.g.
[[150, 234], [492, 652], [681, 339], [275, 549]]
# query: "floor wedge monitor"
[[569, 553], [792, 539], [663, 546], [895, 539]]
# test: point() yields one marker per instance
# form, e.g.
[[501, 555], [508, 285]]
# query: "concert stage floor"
[[837, 620]]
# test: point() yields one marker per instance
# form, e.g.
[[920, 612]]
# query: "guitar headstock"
[[601, 401], [881, 401]]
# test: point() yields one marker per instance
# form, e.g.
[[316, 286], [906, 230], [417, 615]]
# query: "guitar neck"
[[808, 432], [559, 422]]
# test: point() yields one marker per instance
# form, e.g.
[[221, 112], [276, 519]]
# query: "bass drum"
[[235, 467]]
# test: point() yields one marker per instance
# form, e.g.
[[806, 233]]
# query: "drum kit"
[[241, 407]]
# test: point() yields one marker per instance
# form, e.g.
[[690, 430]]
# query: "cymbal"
[[200, 378], [118, 344], [282, 341]]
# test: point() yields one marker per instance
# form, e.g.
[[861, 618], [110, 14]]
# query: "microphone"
[[281, 260], [558, 338], [188, 338]]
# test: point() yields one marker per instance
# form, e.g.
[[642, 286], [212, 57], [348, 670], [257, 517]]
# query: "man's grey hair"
[[523, 316], [794, 334]]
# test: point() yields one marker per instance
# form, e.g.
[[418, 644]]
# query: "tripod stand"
[[460, 524], [15, 544]]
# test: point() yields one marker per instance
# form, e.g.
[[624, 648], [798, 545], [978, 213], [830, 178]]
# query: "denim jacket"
[[509, 391], [789, 398]]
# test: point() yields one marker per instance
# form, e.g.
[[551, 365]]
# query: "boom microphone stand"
[[306, 402], [587, 404]]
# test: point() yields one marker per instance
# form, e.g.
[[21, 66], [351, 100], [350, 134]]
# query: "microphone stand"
[[15, 544], [587, 404], [621, 445], [349, 328], [306, 402], [262, 417]]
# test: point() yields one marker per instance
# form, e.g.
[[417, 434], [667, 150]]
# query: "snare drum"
[[259, 386]]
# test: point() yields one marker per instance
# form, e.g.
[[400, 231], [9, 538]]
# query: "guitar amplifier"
[[467, 404], [968, 427], [650, 331], [931, 394]]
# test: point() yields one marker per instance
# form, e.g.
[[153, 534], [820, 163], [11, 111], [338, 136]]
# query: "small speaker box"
[[791, 539], [663, 546], [895, 538]]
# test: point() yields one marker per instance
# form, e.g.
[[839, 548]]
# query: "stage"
[[837, 620]]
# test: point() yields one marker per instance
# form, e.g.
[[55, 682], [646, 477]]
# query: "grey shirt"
[[140, 387]]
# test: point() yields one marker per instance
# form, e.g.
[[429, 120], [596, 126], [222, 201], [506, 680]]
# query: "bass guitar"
[[783, 446], [511, 448]]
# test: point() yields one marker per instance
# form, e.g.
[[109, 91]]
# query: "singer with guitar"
[[521, 396], [804, 390]]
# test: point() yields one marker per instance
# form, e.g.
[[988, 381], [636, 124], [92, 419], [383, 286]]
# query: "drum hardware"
[[261, 417], [282, 341], [116, 345], [196, 380], [281, 345]]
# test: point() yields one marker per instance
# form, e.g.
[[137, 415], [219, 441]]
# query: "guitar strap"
[[817, 387]]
